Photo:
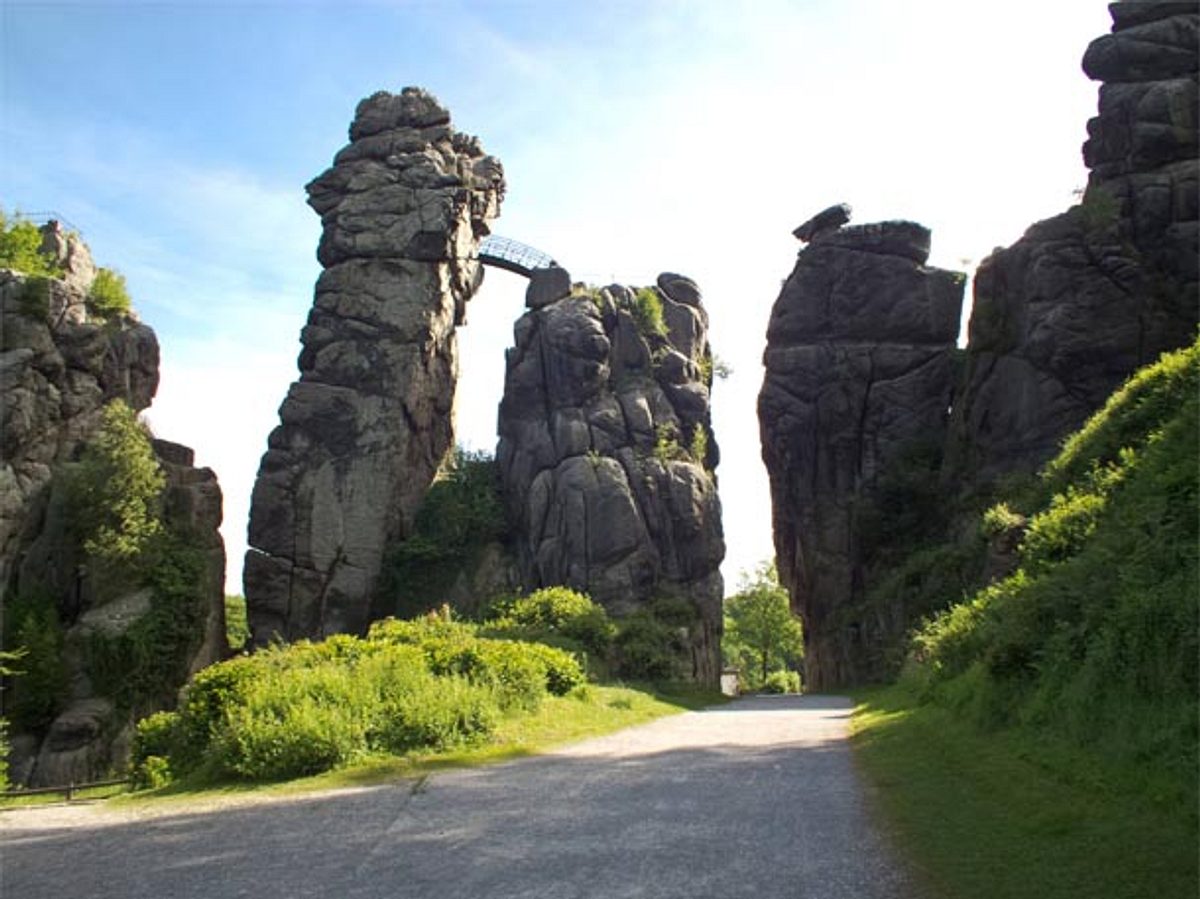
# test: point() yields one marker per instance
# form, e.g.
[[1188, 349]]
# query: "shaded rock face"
[[1063, 316], [860, 364], [860, 367], [364, 429], [606, 453], [58, 369]]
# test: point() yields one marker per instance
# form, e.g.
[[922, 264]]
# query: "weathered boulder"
[[1083, 299], [860, 367], [59, 368], [363, 431], [606, 453]]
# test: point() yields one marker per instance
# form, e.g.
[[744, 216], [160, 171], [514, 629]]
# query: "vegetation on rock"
[[21, 248], [109, 297], [460, 515]]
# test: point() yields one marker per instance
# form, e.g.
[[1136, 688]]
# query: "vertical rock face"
[[1063, 316], [362, 432], [606, 451], [1060, 319], [59, 367], [860, 368]]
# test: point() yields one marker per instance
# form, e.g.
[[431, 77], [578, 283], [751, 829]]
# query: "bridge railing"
[[506, 253]]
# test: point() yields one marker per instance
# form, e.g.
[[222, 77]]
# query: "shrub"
[[648, 649], [34, 299], [115, 489], [555, 610], [1000, 519], [39, 689], [648, 312], [21, 248], [782, 682], [460, 515], [108, 297]]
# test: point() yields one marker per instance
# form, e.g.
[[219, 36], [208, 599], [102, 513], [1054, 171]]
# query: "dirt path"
[[757, 799]]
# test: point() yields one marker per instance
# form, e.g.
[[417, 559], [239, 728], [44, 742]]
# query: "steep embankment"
[[1077, 673]]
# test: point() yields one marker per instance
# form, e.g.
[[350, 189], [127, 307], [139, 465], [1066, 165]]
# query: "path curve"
[[755, 799]]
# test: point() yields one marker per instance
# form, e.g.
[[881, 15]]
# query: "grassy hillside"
[[1083, 661]]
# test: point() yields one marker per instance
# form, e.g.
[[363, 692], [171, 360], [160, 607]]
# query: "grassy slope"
[[1044, 739]]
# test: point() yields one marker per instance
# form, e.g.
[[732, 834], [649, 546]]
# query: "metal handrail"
[[512, 255]]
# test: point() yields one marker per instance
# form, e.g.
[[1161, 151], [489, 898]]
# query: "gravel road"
[[758, 798]]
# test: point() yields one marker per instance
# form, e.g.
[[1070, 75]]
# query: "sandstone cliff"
[[1059, 320], [1064, 315], [606, 451], [363, 431], [860, 366], [59, 367]]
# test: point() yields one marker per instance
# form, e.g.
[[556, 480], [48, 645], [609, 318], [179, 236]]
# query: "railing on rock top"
[[508, 254]]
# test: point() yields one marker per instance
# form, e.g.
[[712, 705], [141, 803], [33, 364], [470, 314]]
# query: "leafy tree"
[[109, 297], [21, 248], [116, 489], [761, 633]]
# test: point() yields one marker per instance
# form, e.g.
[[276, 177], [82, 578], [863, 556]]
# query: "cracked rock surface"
[[606, 454], [1085, 298], [859, 371], [363, 430]]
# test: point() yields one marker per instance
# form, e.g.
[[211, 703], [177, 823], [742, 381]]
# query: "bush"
[[21, 248], [649, 649], [460, 515], [782, 682], [109, 297], [648, 312], [38, 690], [555, 610]]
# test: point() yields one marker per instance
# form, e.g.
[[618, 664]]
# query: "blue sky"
[[637, 137]]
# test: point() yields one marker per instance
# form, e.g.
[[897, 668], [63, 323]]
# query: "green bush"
[[648, 649], [21, 248], [38, 687], [115, 490], [460, 515], [782, 682], [648, 312], [34, 299], [555, 610], [108, 297]]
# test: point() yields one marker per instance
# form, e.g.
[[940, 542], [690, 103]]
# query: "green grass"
[[591, 711], [1009, 813]]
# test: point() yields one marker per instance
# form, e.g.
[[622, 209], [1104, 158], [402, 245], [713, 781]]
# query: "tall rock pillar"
[[364, 429], [860, 368]]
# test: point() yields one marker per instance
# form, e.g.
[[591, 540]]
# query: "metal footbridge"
[[510, 255]]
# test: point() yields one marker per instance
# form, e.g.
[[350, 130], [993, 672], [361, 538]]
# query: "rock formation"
[[364, 429], [59, 367], [606, 452], [860, 366], [1060, 319], [1064, 315]]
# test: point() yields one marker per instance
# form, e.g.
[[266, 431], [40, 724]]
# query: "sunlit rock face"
[[606, 451], [363, 430], [59, 367], [1064, 315], [860, 367]]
